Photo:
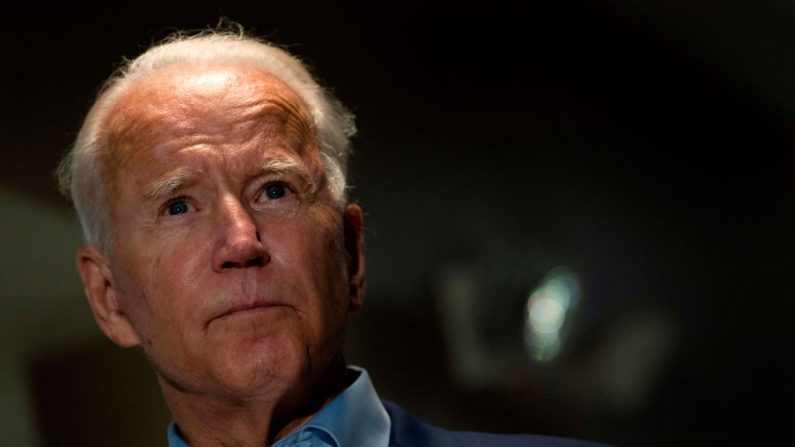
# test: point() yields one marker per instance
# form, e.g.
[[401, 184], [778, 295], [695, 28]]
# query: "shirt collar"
[[174, 439], [355, 417]]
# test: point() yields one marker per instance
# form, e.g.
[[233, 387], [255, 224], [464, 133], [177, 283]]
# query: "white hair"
[[80, 173]]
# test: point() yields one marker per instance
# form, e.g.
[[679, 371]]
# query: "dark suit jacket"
[[408, 431]]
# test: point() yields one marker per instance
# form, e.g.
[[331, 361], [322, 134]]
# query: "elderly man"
[[209, 178]]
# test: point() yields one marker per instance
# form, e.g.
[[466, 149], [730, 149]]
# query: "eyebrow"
[[177, 179], [171, 182]]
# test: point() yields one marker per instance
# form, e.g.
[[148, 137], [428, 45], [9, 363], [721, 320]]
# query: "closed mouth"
[[246, 307]]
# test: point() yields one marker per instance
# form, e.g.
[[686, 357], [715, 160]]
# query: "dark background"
[[644, 145]]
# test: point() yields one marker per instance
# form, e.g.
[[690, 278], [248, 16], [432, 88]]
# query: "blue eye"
[[177, 207], [275, 191]]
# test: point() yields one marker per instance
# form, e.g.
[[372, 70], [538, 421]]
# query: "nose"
[[238, 243]]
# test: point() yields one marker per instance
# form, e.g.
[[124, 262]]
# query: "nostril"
[[258, 261]]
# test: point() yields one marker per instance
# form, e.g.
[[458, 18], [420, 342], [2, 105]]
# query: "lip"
[[244, 307]]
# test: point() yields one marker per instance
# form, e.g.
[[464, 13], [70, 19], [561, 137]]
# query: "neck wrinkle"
[[210, 421]]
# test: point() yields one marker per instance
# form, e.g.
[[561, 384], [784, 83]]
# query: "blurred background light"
[[549, 306]]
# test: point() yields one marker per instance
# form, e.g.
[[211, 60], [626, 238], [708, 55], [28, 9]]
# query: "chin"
[[270, 366]]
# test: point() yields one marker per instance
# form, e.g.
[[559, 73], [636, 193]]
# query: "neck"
[[213, 420]]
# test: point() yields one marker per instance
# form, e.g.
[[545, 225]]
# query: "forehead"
[[208, 103]]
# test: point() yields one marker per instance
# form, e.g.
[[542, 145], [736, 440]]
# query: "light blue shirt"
[[354, 418]]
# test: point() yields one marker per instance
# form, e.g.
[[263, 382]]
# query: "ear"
[[354, 246], [99, 287]]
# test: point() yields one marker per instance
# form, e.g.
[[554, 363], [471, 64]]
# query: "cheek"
[[315, 247], [326, 257], [158, 291], [310, 253]]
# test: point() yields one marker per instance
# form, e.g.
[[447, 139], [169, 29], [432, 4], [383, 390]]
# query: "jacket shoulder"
[[408, 431]]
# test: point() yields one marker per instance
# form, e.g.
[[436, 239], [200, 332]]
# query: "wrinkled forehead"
[[228, 101]]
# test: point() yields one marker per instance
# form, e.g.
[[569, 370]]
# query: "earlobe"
[[354, 246], [99, 288]]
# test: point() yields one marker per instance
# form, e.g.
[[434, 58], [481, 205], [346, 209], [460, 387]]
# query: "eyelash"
[[262, 193], [286, 190], [170, 202]]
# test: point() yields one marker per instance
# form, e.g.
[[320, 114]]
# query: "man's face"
[[229, 260]]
